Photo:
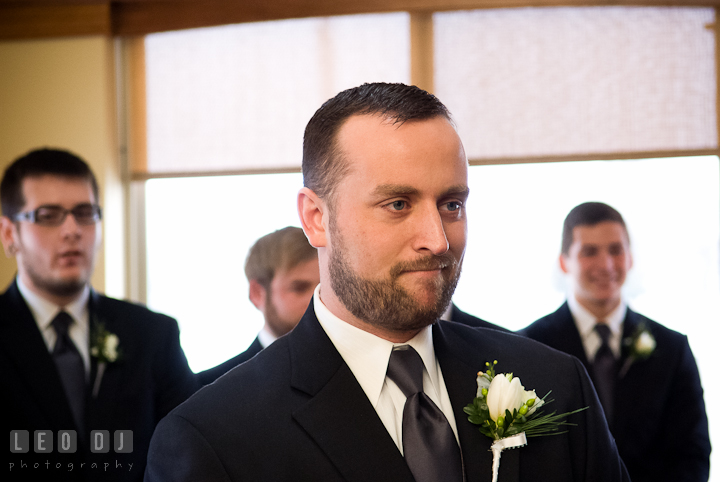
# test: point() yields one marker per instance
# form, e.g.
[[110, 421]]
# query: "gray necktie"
[[604, 369], [70, 367], [431, 450]]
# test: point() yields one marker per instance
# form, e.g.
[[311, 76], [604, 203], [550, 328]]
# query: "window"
[[235, 100]]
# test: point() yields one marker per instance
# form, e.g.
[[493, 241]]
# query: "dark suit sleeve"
[[174, 380], [688, 441], [179, 453]]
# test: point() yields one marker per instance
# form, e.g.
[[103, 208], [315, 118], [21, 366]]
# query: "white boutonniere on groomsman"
[[508, 414], [640, 346]]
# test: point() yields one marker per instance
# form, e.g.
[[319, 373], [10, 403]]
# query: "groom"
[[385, 177]]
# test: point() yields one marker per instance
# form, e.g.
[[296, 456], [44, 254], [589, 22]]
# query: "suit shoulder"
[[133, 320], [253, 383], [131, 310], [657, 328], [545, 327], [211, 374], [503, 340]]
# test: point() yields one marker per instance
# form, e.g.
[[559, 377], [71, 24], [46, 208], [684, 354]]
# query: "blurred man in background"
[[282, 270], [644, 373], [71, 358]]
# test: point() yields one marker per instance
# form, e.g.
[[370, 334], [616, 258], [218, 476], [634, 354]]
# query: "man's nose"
[[70, 225], [430, 233]]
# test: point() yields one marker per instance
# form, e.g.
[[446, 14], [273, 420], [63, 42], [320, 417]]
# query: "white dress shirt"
[[586, 321], [368, 356], [45, 311]]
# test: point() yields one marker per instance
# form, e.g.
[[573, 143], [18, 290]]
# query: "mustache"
[[428, 263]]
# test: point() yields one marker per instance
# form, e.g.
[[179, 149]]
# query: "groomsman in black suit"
[[282, 270], [645, 373], [72, 359], [370, 386]]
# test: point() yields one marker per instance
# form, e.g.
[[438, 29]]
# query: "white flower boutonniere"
[[640, 346], [508, 414], [105, 348]]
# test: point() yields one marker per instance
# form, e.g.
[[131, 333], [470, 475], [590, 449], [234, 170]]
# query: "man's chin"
[[67, 286]]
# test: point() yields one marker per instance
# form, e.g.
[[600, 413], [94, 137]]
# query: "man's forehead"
[[600, 232], [374, 145], [54, 188]]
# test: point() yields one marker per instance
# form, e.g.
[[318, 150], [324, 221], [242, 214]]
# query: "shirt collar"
[[368, 355], [44, 311], [266, 338], [586, 321]]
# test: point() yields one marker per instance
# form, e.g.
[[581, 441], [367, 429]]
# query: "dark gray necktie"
[[605, 371], [70, 367], [431, 450]]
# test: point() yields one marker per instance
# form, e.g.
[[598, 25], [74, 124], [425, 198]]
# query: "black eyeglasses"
[[52, 215]]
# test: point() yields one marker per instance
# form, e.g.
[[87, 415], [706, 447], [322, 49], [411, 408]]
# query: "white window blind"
[[568, 81], [238, 97]]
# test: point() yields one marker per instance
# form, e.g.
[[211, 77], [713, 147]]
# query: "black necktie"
[[431, 450], [70, 367], [605, 371]]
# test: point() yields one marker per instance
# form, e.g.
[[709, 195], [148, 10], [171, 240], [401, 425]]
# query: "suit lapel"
[[338, 416], [566, 337], [459, 368], [630, 324], [27, 350], [102, 403]]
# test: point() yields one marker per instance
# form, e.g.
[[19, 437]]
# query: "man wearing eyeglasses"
[[72, 359]]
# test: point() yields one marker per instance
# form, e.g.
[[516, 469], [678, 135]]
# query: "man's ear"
[[258, 295], [563, 263], [7, 236], [312, 212]]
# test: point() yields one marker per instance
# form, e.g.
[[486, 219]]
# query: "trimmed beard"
[[385, 303], [60, 288]]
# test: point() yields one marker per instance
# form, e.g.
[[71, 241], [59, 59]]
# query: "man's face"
[[598, 261], [289, 295], [397, 228], [54, 261]]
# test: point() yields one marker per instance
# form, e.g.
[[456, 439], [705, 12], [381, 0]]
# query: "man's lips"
[[70, 256]]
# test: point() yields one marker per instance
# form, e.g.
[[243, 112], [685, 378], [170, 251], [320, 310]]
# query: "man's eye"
[[398, 205], [47, 215], [616, 250], [83, 212], [453, 206], [588, 251]]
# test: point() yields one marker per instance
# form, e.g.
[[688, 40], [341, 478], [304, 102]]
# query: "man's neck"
[[599, 308], [59, 300]]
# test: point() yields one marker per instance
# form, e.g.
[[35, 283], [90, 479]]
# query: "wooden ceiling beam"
[[24, 19]]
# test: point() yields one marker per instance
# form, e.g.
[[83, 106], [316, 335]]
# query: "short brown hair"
[[280, 250], [588, 214], [323, 165], [37, 163]]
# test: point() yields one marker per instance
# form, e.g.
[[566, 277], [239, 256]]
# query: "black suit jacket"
[[460, 316], [296, 412], [136, 391], [212, 374], [651, 394]]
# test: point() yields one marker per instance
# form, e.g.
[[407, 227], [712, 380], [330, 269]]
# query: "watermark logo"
[[66, 442]]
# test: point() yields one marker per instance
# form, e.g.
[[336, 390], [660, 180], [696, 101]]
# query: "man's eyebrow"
[[460, 190], [394, 190], [390, 190]]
